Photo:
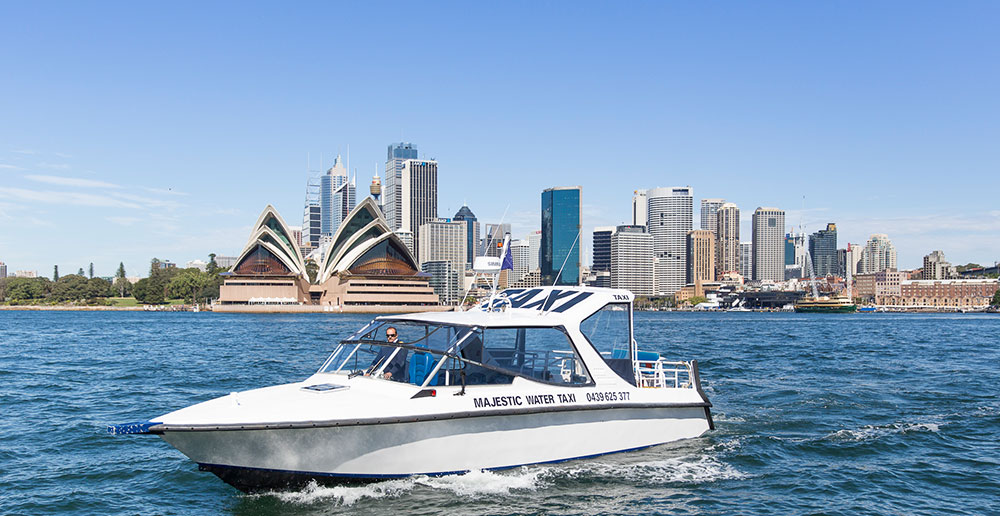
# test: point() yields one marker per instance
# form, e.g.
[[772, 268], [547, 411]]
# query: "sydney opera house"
[[365, 268]]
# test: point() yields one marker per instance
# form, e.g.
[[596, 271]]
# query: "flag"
[[508, 260]]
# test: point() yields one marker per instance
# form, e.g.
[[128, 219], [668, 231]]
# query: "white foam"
[[875, 431], [487, 482], [689, 469], [344, 495]]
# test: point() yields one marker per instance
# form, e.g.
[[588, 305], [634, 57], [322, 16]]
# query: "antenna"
[[476, 276]]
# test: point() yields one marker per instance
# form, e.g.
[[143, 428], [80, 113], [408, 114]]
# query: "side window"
[[608, 331], [543, 354]]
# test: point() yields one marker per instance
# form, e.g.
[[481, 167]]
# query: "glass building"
[[472, 230], [823, 249], [561, 226]]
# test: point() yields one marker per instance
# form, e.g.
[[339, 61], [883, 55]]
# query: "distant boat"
[[826, 304], [866, 309]]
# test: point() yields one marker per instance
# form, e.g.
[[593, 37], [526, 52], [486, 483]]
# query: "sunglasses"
[[390, 334]]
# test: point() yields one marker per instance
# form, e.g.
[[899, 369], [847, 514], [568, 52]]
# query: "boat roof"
[[539, 306]]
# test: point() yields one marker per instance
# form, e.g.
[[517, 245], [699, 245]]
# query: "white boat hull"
[[253, 459]]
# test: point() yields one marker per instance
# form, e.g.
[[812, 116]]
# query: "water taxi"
[[529, 376]]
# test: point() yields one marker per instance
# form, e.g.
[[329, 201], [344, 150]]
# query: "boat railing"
[[661, 373]]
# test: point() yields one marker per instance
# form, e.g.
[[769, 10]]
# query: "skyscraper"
[[331, 206], [727, 239], [312, 216], [392, 197], [602, 248], [534, 250], [443, 239], [823, 251], [639, 206], [746, 260], [878, 255], [472, 232], [632, 260], [768, 244], [700, 255], [709, 207], [670, 217], [3, 270], [936, 267], [418, 191], [562, 217], [520, 253], [492, 241]]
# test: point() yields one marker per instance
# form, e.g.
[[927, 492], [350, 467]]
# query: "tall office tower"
[[312, 216], [443, 239], [520, 253], [700, 255], [632, 260], [562, 217], [853, 258], [709, 207], [639, 206], [3, 270], [727, 239], [534, 250], [823, 250], [445, 279], [936, 267], [746, 260], [670, 217], [769, 244], [418, 189], [344, 199], [330, 183], [392, 196], [472, 232], [795, 256], [602, 248], [492, 241], [878, 255]]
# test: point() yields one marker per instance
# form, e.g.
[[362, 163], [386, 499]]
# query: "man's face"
[[390, 335]]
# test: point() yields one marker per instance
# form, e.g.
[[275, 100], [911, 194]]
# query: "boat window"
[[608, 331], [370, 351], [497, 355]]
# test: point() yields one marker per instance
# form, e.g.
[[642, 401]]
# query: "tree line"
[[191, 284]]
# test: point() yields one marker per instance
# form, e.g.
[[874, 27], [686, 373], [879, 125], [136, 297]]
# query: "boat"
[[826, 304], [529, 376], [866, 309]]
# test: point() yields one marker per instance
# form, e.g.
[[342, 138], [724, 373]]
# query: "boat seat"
[[643, 356], [420, 366]]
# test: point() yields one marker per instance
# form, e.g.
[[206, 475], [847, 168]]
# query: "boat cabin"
[[576, 336]]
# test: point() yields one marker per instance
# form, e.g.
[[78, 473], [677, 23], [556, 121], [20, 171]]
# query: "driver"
[[396, 368]]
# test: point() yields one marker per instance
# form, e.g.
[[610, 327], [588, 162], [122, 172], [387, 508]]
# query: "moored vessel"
[[826, 304]]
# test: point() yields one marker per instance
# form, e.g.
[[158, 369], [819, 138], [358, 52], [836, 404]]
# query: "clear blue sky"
[[132, 131]]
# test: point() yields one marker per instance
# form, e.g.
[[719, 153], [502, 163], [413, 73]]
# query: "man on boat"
[[396, 368]]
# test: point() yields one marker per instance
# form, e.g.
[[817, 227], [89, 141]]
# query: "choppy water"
[[830, 414]]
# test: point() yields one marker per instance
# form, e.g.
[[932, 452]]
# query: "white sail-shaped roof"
[[270, 232], [361, 230]]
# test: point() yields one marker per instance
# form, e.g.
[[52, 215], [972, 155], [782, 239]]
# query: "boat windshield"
[[439, 354]]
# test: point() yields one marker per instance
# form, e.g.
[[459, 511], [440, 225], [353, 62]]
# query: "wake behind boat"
[[531, 376]]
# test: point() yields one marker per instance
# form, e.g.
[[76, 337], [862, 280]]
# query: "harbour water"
[[815, 413]]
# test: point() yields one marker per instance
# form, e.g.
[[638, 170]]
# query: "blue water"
[[815, 414]]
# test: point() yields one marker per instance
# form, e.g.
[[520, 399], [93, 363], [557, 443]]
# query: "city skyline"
[[169, 142]]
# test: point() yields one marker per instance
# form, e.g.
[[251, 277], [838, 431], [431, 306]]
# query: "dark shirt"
[[396, 366]]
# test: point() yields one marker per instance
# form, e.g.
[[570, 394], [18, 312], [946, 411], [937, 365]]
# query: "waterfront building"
[[331, 184], [746, 260], [878, 255], [936, 267], [392, 194], [640, 205], [492, 241], [602, 248], [472, 233], [534, 250], [445, 279], [823, 250], [727, 239], [418, 189], [562, 218], [700, 256], [768, 244], [954, 294], [312, 216], [444, 240], [270, 266], [670, 217], [709, 208], [632, 260], [520, 253]]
